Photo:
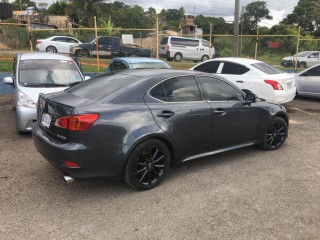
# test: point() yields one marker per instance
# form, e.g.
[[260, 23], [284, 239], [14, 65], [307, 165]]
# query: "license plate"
[[46, 120]]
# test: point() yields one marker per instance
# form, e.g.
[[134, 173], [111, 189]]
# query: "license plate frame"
[[46, 120]]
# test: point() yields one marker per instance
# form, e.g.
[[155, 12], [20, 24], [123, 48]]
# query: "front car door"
[[180, 111], [313, 59], [308, 82], [235, 123]]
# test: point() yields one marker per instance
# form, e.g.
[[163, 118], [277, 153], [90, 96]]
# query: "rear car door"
[[313, 59], [308, 82], [179, 110], [234, 122]]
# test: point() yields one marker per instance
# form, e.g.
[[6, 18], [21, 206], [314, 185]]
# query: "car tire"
[[302, 65], [275, 135], [51, 49], [204, 58], [147, 165], [82, 53], [177, 57]]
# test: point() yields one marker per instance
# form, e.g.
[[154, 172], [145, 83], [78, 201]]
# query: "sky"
[[279, 9]]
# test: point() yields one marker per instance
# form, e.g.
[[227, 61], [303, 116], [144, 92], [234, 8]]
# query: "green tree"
[[219, 25], [57, 8], [306, 15], [254, 13], [22, 4]]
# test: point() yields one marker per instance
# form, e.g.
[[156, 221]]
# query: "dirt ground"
[[243, 194]]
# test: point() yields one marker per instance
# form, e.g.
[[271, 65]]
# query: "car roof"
[[237, 60], [42, 55], [138, 59]]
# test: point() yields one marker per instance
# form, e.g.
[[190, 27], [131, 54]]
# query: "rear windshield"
[[101, 87], [266, 68], [48, 72], [164, 40], [150, 65]]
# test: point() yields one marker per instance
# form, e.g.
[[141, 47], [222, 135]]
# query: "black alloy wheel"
[[147, 165], [276, 134]]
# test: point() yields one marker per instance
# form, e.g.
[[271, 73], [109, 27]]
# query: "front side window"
[[233, 68], [314, 55], [177, 89], [208, 67], [48, 72], [314, 71], [60, 39], [217, 90]]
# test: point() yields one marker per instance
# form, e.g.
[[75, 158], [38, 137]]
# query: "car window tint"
[[266, 68], [101, 87], [158, 92], [208, 67], [71, 40], [217, 90], [314, 71], [314, 55], [164, 40], [117, 65], [181, 89], [233, 68]]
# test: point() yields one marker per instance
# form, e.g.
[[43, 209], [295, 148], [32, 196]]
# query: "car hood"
[[33, 92]]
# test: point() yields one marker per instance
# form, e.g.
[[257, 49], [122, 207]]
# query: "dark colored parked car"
[[134, 124], [108, 47]]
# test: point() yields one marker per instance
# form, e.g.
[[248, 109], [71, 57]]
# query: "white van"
[[178, 48]]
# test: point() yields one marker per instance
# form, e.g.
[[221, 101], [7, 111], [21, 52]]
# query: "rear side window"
[[117, 65], [177, 89], [164, 40], [209, 67], [266, 68], [233, 68]]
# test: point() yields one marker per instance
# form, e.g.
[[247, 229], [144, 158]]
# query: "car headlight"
[[25, 101]]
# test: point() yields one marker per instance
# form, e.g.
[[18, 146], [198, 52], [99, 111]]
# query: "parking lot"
[[243, 194]]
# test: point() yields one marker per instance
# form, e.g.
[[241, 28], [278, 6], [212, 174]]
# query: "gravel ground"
[[243, 194]]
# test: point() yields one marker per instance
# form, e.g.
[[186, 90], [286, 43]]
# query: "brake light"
[[167, 47], [274, 84], [70, 164], [76, 122], [39, 41]]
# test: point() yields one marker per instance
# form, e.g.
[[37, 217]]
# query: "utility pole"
[[236, 29]]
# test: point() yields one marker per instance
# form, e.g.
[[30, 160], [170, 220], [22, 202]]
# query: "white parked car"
[[308, 82], [258, 77], [305, 59], [56, 44]]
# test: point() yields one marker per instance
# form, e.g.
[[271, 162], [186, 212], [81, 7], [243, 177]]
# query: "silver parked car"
[[308, 82], [35, 73]]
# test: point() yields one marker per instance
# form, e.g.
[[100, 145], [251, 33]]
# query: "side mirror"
[[86, 78], [8, 80], [250, 97]]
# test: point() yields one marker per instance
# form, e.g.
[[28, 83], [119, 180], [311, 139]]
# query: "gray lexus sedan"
[[134, 124]]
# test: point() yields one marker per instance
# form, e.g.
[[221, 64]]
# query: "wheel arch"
[[283, 116]]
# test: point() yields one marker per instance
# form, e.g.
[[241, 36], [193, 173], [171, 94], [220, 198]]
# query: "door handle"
[[165, 114], [220, 112], [239, 81]]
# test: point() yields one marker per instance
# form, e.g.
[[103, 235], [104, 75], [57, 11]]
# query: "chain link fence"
[[15, 38]]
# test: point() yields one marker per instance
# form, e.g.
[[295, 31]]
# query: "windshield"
[[303, 54], [48, 72], [150, 65], [266, 68]]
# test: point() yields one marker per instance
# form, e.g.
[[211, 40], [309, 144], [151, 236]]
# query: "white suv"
[[305, 59]]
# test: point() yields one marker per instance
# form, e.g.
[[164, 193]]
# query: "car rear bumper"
[[94, 159], [284, 96]]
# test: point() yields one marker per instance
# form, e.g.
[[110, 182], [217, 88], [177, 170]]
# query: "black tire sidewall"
[[275, 120], [129, 177]]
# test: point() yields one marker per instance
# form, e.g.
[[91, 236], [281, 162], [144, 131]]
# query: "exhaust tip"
[[68, 179]]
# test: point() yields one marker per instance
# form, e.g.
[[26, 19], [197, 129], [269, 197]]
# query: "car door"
[[313, 59], [60, 44], [235, 72], [234, 122], [308, 82], [180, 111], [104, 46]]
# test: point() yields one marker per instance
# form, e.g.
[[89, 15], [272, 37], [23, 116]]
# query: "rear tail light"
[[274, 84], [167, 47], [70, 164], [39, 41], [76, 122]]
